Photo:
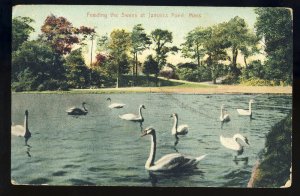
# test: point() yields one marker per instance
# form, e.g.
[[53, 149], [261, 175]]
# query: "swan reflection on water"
[[244, 160], [28, 151], [156, 177]]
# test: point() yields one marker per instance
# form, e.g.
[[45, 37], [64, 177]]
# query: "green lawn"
[[143, 84]]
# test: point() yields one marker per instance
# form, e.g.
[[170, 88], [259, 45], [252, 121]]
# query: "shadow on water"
[[59, 173], [70, 166], [39, 181], [237, 178], [175, 175], [80, 182]]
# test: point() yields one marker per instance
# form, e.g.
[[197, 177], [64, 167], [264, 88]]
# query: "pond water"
[[102, 149]]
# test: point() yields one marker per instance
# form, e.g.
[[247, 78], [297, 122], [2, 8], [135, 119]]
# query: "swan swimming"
[[115, 105], [169, 162], [178, 130], [224, 117], [77, 111], [246, 112], [134, 117], [22, 131], [233, 143]]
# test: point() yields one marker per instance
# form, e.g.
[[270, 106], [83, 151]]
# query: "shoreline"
[[206, 89]]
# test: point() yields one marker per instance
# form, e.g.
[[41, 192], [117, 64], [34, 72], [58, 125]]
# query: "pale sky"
[[177, 19]]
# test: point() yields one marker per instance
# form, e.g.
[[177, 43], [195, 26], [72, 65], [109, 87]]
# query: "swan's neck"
[[235, 137], [222, 112], [26, 124], [84, 107], [174, 129], [151, 158], [250, 107], [140, 113]]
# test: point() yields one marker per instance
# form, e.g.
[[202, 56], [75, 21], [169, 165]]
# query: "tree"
[[88, 33], [35, 58], [21, 30], [140, 42], [151, 67], [215, 48], [119, 45], [193, 46], [274, 27], [91, 34], [60, 34], [77, 71], [237, 33], [162, 38]]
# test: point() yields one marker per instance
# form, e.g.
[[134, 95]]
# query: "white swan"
[[233, 143], [77, 111], [22, 131], [246, 112], [181, 129], [224, 117], [115, 105], [134, 117], [178, 130], [169, 162]]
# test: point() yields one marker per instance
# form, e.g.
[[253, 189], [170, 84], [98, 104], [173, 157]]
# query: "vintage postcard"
[[165, 96]]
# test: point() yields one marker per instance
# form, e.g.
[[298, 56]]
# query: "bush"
[[25, 81], [256, 82], [170, 74], [52, 85], [230, 79], [198, 74]]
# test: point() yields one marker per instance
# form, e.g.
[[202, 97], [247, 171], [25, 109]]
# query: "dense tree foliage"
[[193, 46], [151, 66], [35, 58], [162, 40], [193, 72], [57, 55], [60, 34], [21, 30], [274, 26], [77, 72], [240, 39], [119, 45]]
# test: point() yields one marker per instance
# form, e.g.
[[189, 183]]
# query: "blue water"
[[101, 149]]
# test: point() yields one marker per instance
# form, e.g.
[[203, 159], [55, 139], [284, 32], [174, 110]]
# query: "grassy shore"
[[188, 88]]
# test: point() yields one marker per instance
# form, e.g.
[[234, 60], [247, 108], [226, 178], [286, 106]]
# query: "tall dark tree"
[[119, 45], [77, 72], [140, 42], [241, 39], [151, 67], [275, 27], [162, 39], [88, 33], [215, 48], [193, 46], [21, 30]]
